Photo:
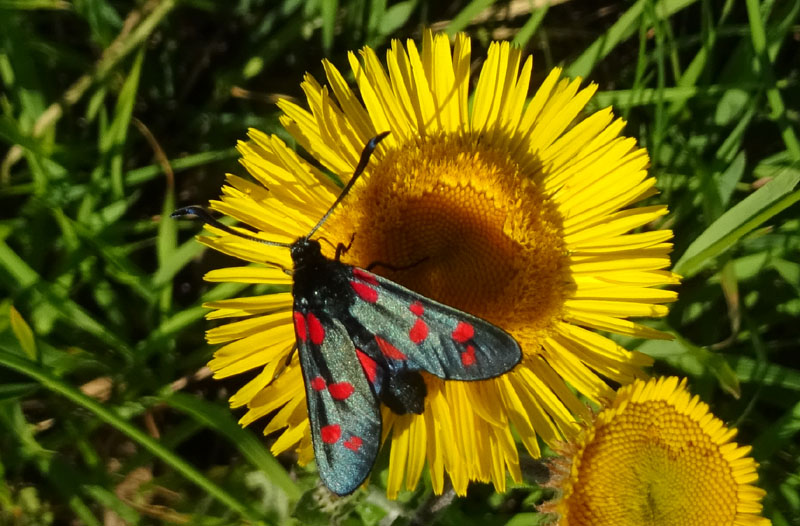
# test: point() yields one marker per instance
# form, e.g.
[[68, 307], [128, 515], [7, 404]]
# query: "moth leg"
[[342, 249], [389, 266]]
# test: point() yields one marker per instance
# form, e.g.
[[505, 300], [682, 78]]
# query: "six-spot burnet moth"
[[363, 340]]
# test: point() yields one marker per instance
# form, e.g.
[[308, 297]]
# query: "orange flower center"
[[455, 219]]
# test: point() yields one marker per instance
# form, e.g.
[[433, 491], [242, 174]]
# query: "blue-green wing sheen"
[[343, 411], [416, 333]]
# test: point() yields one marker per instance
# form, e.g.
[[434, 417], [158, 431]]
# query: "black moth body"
[[362, 340]]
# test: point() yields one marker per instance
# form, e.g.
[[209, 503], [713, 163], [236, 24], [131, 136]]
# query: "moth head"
[[305, 251]]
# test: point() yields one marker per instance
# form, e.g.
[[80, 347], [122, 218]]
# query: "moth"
[[363, 340]]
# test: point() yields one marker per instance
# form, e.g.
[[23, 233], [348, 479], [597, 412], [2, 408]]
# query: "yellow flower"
[[515, 212], [657, 457]]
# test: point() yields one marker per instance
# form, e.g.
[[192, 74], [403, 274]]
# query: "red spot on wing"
[[363, 275], [331, 434], [463, 332], [354, 443], [418, 332], [300, 326], [315, 329], [468, 356], [369, 366], [417, 308], [365, 292], [318, 383], [389, 350], [341, 391]]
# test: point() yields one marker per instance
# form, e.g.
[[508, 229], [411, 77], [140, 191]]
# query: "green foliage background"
[[113, 112]]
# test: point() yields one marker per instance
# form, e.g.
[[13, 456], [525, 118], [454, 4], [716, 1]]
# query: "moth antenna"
[[362, 165], [203, 215]]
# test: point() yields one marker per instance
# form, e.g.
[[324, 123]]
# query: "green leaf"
[[744, 217], [23, 332]]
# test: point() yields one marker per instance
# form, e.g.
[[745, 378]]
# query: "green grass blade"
[[175, 261], [328, 9], [56, 385], [779, 434], [527, 31], [167, 240], [11, 134], [254, 450], [692, 73], [772, 198], [764, 68], [146, 173], [625, 26], [465, 16], [113, 143], [772, 375], [25, 277], [23, 333], [392, 19], [623, 99], [33, 4]]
